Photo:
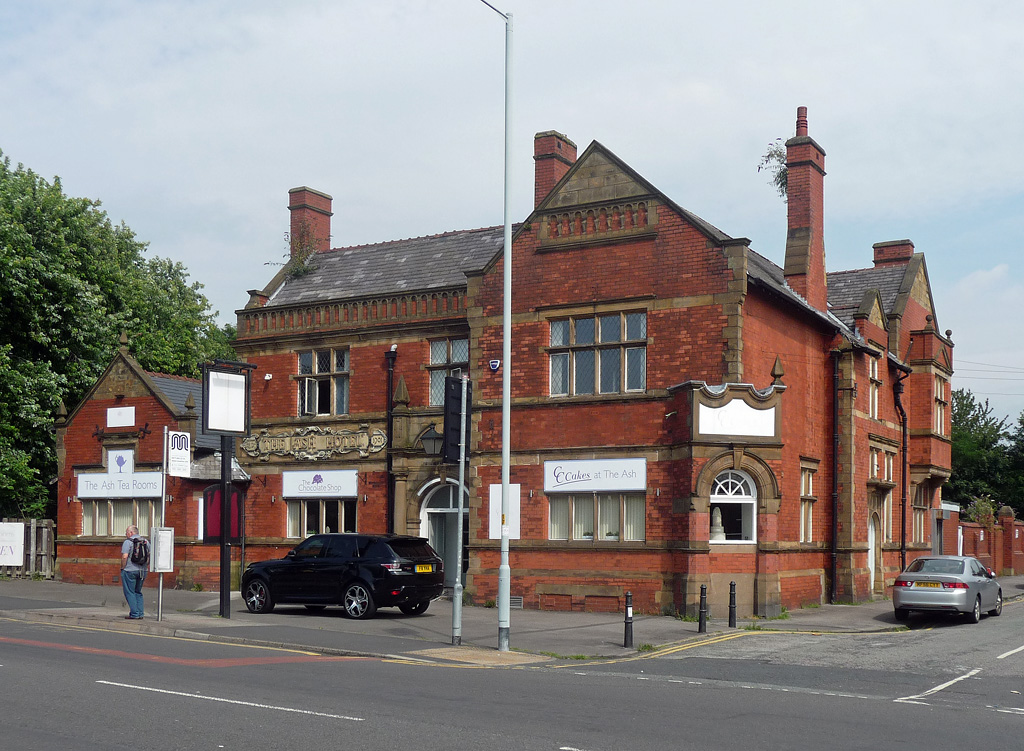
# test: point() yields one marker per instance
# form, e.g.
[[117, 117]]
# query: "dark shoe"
[[129, 617]]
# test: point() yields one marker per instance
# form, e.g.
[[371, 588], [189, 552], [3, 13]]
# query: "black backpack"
[[140, 551]]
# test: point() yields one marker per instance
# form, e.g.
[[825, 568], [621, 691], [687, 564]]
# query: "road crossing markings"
[[914, 699], [253, 704]]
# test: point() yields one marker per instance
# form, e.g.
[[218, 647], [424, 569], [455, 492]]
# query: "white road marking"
[[233, 701], [1011, 652], [913, 699]]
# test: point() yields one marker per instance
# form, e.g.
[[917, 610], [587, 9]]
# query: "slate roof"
[[177, 390], [846, 289], [399, 266]]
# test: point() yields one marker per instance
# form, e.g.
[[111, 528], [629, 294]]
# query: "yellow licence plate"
[[424, 568], [927, 584]]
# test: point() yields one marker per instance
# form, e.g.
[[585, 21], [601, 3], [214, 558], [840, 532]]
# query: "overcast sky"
[[190, 121]]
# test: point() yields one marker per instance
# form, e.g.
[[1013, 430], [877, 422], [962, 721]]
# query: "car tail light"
[[394, 568], [954, 585], [903, 583]]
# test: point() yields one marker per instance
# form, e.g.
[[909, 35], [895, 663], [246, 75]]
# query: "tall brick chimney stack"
[[553, 155], [893, 253], [805, 241], [311, 220]]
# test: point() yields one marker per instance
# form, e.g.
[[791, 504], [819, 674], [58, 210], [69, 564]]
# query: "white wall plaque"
[[736, 418], [121, 417]]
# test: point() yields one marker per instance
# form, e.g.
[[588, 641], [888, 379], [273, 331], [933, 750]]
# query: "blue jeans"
[[131, 582]]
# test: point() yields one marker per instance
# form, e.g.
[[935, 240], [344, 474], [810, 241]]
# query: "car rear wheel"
[[415, 608], [998, 609], [901, 614], [257, 597], [975, 615], [358, 601]]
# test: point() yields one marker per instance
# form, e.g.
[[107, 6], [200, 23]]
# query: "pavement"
[[535, 636]]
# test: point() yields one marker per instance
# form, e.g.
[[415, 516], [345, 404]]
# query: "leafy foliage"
[[773, 161], [979, 450], [71, 281], [981, 510]]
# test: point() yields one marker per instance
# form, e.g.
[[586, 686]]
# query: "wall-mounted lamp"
[[273, 498], [69, 500], [268, 377], [364, 497], [531, 494], [657, 493], [432, 441]]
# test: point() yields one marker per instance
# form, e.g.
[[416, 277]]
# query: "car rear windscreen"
[[411, 548]]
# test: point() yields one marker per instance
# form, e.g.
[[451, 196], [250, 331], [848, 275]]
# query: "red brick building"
[[684, 411], [110, 461]]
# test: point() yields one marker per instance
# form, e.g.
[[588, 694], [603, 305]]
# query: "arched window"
[[733, 509]]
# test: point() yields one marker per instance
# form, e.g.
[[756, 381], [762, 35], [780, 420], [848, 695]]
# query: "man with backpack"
[[134, 565]]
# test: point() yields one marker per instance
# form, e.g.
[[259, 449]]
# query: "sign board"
[[326, 483], [12, 544], [513, 512], [226, 399], [161, 540], [179, 454], [595, 475], [120, 480]]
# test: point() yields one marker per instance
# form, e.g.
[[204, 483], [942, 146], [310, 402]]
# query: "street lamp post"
[[504, 571]]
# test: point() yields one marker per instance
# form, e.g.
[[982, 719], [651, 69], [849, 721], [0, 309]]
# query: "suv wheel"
[[257, 597], [358, 601]]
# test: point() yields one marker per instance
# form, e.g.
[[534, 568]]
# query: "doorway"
[[873, 554], [439, 523]]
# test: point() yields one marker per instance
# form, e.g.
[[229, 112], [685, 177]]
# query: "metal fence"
[[40, 550]]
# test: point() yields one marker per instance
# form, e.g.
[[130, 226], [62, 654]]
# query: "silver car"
[[947, 583]]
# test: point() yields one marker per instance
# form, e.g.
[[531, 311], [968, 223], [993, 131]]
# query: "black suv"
[[359, 572]]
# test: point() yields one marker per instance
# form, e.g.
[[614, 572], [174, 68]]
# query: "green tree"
[[773, 161], [70, 282], [979, 450], [1013, 486]]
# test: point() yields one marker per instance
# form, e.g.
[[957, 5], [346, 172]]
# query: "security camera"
[[495, 364], [268, 376]]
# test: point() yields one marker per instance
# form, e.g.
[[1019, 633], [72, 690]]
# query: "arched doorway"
[[873, 553], [439, 523]]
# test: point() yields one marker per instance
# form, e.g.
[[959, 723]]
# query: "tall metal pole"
[[457, 597], [227, 449], [504, 571], [163, 523]]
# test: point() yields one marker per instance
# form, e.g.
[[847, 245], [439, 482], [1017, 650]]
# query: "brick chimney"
[[553, 155], [893, 253], [805, 240], [311, 220]]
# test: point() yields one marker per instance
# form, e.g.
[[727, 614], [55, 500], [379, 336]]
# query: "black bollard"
[[627, 638], [702, 617], [732, 604]]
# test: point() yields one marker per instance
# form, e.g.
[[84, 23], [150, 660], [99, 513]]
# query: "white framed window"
[[920, 519], [733, 509], [448, 357], [323, 382], [875, 385], [597, 517], [602, 354], [807, 499], [890, 461], [110, 518], [941, 402], [316, 516], [875, 463]]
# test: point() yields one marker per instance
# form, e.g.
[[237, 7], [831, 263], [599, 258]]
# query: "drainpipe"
[[389, 519], [833, 568], [897, 389]]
